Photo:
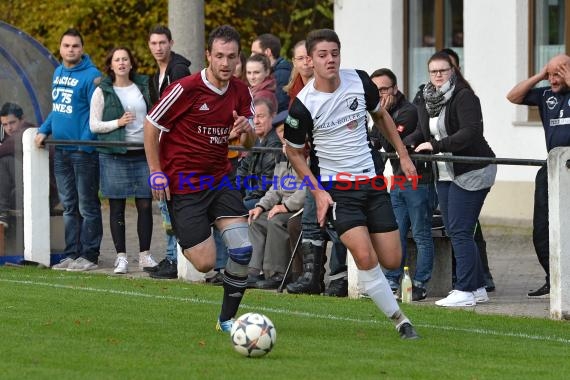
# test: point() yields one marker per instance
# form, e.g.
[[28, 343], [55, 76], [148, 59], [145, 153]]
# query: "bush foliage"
[[108, 23]]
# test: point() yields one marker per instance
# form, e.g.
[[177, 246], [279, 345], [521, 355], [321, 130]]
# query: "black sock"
[[234, 288]]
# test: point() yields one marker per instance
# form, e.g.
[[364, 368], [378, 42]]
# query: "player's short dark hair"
[[160, 29], [452, 54], [12, 109], [271, 42], [387, 73], [319, 35], [72, 32], [225, 33]]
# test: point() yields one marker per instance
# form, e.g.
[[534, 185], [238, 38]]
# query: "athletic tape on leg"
[[237, 240]]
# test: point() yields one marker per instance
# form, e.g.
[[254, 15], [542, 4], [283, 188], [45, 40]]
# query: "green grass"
[[59, 325]]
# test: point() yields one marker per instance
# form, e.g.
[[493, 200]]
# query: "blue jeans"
[[171, 253], [77, 178], [460, 210], [414, 208], [312, 231], [250, 203]]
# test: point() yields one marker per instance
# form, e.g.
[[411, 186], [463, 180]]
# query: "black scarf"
[[437, 98]]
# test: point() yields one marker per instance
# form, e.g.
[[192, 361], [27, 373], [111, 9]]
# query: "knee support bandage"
[[237, 240]]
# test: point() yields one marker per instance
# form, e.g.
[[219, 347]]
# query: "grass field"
[[78, 326]]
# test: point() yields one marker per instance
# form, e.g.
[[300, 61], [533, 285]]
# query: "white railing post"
[[353, 289], [559, 227], [36, 200], [186, 270]]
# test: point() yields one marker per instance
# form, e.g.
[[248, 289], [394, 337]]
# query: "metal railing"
[[385, 155]]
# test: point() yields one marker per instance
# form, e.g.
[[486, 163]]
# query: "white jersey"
[[336, 124]]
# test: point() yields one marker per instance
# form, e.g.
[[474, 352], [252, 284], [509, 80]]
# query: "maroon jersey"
[[196, 119]]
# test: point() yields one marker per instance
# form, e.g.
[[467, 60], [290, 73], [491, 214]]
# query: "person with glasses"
[[413, 202], [451, 122], [12, 126], [554, 107], [479, 238]]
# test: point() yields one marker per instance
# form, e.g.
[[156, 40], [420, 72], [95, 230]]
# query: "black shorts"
[[366, 206], [193, 214]]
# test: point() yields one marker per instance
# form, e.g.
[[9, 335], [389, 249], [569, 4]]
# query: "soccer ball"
[[253, 334]]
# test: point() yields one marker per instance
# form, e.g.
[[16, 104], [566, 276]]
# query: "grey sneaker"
[[481, 295], [407, 331], [81, 265], [146, 261], [63, 264]]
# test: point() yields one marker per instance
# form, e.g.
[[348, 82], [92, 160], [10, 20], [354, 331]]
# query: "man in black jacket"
[[12, 126], [171, 67], [413, 202]]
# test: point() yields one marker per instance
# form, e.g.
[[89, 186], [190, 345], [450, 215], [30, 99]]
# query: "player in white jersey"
[[332, 111]]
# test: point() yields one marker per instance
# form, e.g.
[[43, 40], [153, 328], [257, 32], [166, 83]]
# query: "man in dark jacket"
[[12, 126], [270, 45], [413, 202], [171, 67]]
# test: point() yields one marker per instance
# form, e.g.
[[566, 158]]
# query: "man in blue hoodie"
[[76, 168]]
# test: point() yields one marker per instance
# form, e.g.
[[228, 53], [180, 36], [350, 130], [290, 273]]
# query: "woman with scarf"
[[451, 123], [261, 82]]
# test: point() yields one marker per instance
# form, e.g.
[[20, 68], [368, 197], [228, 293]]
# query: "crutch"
[[280, 288]]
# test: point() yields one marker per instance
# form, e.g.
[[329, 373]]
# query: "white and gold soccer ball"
[[253, 335]]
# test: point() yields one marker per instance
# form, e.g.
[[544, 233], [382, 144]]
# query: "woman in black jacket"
[[451, 123]]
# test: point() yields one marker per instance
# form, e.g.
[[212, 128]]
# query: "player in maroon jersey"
[[189, 165]]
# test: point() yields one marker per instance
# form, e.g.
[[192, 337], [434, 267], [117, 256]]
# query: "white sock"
[[376, 286]]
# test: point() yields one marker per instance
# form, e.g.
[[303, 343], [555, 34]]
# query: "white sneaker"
[[146, 260], [481, 295], [121, 264], [457, 298], [81, 265], [63, 264]]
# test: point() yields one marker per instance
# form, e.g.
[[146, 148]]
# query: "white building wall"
[[496, 57], [371, 34], [496, 52]]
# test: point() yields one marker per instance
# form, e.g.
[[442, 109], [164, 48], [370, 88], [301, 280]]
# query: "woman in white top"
[[118, 108]]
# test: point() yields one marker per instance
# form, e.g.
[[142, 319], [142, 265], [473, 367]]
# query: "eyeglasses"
[[384, 90], [300, 58], [433, 73]]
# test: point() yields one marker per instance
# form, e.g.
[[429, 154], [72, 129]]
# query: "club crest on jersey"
[[292, 122], [551, 102], [352, 104]]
